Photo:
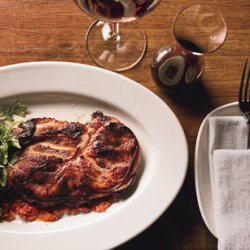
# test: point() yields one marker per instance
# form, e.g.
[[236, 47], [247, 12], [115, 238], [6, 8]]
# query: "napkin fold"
[[229, 162], [227, 132]]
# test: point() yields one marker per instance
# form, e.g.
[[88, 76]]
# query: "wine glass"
[[114, 41], [198, 30]]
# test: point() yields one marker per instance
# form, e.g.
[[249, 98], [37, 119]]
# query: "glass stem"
[[116, 31], [115, 28]]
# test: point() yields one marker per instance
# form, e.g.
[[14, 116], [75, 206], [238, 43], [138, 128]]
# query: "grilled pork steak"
[[72, 163]]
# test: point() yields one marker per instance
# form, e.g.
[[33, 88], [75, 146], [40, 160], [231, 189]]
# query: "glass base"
[[116, 47]]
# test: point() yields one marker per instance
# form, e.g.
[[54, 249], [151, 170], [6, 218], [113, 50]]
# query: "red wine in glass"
[[117, 11], [190, 46]]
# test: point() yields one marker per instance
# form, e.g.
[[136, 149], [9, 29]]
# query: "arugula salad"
[[8, 143]]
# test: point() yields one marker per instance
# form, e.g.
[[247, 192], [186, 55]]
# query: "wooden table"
[[49, 30]]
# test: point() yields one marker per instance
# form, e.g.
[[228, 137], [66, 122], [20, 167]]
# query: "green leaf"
[[13, 159], [19, 109], [14, 143], [3, 177], [8, 111]]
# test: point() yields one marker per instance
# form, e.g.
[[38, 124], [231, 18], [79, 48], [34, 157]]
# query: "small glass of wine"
[[198, 30], [114, 41]]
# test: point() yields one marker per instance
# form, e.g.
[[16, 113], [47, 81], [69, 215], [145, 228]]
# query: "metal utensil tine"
[[248, 80], [242, 83], [246, 98]]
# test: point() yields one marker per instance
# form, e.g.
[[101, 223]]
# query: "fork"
[[244, 97]]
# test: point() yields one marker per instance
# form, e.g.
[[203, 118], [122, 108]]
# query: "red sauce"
[[29, 213]]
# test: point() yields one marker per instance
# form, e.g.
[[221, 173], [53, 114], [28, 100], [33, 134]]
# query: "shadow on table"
[[194, 98], [180, 227]]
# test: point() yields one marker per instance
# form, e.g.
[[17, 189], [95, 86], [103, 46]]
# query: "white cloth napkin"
[[232, 198], [229, 162]]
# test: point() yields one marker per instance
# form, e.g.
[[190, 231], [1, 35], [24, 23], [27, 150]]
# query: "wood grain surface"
[[53, 30]]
